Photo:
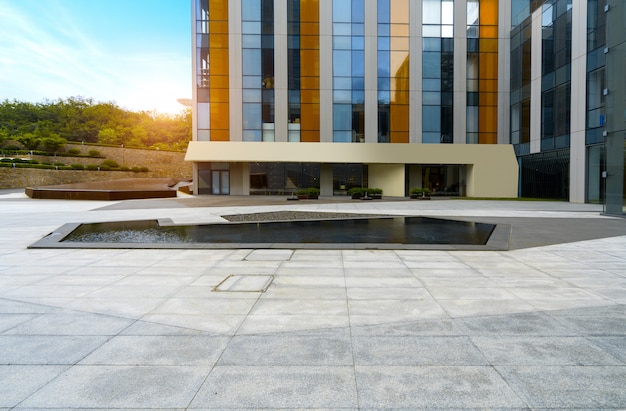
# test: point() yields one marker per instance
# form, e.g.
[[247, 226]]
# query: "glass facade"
[[348, 71], [437, 70], [482, 71], [212, 70], [257, 58], [332, 56], [393, 71]]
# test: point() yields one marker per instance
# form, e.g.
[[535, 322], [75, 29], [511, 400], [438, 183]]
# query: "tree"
[[29, 140], [53, 143], [107, 136]]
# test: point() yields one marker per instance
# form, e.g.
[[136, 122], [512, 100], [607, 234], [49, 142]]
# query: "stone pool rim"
[[499, 239]]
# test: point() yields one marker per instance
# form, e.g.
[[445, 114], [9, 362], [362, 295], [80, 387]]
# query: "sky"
[[135, 53]]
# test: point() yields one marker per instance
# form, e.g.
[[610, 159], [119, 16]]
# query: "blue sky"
[[136, 53]]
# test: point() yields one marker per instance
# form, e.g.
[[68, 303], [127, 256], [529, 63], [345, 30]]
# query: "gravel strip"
[[293, 215]]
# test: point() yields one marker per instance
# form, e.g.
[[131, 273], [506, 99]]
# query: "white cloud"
[[45, 58]]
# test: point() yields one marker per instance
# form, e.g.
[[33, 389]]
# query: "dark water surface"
[[390, 230]]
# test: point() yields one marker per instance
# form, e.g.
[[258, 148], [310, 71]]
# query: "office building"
[[478, 98]]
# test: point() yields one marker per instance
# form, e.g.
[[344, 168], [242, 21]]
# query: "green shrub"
[[94, 153], [110, 164], [73, 152], [104, 167], [143, 169], [92, 167], [6, 160], [77, 166], [124, 168], [59, 164], [356, 191]]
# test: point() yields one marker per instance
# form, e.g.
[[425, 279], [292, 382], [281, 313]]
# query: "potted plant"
[[420, 193], [356, 192], [375, 193], [310, 193]]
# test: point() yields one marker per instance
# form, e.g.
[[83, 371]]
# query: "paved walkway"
[[541, 327]]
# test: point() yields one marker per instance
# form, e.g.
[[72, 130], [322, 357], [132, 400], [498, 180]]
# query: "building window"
[[348, 71], [437, 71]]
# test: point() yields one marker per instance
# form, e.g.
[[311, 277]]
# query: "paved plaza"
[[539, 326]]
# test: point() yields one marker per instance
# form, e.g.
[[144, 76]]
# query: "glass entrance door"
[[220, 182]]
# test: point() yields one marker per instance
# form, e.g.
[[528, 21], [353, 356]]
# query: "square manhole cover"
[[245, 283]]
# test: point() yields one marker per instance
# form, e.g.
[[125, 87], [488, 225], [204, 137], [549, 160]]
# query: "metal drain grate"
[[245, 283]]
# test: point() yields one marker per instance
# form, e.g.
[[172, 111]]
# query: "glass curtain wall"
[[348, 71], [393, 71], [304, 69], [257, 69], [521, 57], [596, 111], [556, 74], [212, 70], [437, 70], [482, 71]]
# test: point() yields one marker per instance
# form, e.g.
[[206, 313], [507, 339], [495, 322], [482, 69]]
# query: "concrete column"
[[535, 83], [504, 72], [415, 72], [280, 71], [371, 71], [460, 73], [577, 163], [326, 180], [326, 71], [235, 70]]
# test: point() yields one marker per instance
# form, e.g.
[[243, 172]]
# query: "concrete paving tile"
[[71, 323], [397, 310], [478, 282], [309, 281], [120, 386], [263, 324], [561, 294], [568, 386], [122, 307], [132, 291], [372, 256], [377, 272], [446, 273], [14, 279], [285, 349], [158, 350], [8, 321], [46, 349], [58, 291], [464, 387], [291, 271], [306, 293], [552, 305], [382, 281], [226, 324], [439, 327], [615, 346], [370, 293], [542, 351], [470, 293], [20, 381], [146, 328], [291, 306], [415, 351], [278, 387], [474, 308], [596, 325], [515, 325], [269, 255]]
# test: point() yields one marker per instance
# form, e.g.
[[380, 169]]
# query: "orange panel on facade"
[[220, 135], [219, 82], [219, 95], [218, 10], [219, 116], [309, 10], [309, 63], [309, 83], [399, 117], [488, 13], [310, 119], [488, 119], [219, 41], [309, 136], [309, 42], [490, 32], [399, 137], [309, 29], [220, 27], [399, 11], [488, 66], [309, 96], [487, 138], [488, 99], [488, 45], [218, 62]]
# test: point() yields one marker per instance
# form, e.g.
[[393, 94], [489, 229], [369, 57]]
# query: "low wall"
[[159, 163]]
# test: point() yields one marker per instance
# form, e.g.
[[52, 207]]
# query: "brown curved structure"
[[124, 189]]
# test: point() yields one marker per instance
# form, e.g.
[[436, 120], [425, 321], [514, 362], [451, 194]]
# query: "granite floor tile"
[[47, 349], [312, 349], [521, 351], [278, 387], [400, 387], [71, 323], [416, 351], [112, 387], [567, 387], [18, 382]]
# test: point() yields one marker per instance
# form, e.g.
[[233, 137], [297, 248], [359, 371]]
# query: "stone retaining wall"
[[159, 163]]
